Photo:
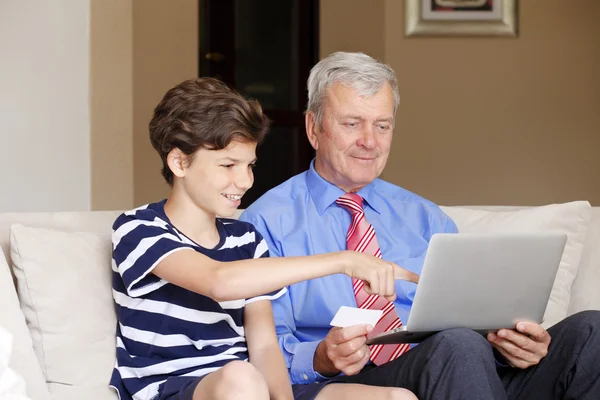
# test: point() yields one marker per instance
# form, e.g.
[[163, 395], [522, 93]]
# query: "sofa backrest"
[[101, 222], [585, 293], [93, 221]]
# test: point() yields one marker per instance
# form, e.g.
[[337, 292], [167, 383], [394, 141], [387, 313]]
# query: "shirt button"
[[305, 377]]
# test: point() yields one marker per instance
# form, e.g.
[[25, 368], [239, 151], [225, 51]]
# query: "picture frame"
[[461, 18]]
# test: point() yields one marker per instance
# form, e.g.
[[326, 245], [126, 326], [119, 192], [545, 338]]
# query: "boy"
[[190, 287]]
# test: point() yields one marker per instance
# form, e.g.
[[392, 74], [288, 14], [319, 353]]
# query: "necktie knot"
[[351, 202]]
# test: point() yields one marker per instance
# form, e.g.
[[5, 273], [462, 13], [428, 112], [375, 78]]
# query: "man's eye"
[[384, 127], [351, 124]]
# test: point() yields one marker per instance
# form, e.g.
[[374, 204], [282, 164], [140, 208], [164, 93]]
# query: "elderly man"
[[340, 203]]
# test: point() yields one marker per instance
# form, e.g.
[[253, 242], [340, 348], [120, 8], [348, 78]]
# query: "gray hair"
[[356, 70]]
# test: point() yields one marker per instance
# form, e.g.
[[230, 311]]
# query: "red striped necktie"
[[361, 237]]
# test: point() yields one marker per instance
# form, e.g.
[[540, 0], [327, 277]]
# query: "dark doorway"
[[265, 50]]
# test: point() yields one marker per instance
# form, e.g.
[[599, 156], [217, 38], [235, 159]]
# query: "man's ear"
[[177, 162], [311, 129]]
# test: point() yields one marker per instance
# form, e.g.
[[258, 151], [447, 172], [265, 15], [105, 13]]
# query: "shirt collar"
[[324, 193]]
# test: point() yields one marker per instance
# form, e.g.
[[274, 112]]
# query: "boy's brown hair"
[[204, 113]]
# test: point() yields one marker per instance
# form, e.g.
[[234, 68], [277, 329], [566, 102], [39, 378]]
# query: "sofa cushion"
[[12, 385], [22, 359], [571, 218], [70, 221], [64, 284], [585, 294]]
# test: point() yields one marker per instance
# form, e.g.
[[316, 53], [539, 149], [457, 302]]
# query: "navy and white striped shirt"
[[164, 330]]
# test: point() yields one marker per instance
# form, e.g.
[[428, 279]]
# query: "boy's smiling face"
[[216, 180]]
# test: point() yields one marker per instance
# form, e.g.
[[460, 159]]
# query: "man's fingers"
[[348, 351], [515, 352], [353, 349], [342, 335], [535, 331], [512, 361], [519, 339], [353, 368], [406, 275]]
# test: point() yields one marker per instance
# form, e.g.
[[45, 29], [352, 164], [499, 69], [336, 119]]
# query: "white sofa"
[[60, 310]]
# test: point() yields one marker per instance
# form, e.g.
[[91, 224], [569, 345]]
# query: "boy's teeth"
[[233, 197]]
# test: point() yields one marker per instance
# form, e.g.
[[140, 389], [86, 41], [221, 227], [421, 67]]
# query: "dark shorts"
[[182, 388], [309, 391], [179, 388]]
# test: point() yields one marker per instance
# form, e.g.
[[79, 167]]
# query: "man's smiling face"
[[353, 142]]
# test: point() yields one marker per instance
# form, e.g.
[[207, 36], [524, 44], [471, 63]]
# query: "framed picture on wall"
[[461, 17]]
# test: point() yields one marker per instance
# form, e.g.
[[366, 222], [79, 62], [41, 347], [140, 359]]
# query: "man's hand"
[[343, 350], [523, 347]]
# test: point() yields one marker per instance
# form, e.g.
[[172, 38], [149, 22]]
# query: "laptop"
[[484, 282]]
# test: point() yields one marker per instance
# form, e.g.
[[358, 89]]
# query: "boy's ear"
[[177, 162]]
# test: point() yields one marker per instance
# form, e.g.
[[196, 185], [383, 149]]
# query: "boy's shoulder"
[[236, 227], [240, 238], [148, 214], [234, 223]]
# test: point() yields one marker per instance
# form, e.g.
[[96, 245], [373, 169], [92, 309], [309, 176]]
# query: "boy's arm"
[[264, 350], [241, 279], [147, 255]]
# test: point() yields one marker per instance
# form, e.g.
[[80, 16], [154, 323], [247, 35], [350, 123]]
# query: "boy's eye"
[[251, 166], [227, 165]]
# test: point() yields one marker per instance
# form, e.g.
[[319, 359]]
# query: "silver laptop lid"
[[485, 281]]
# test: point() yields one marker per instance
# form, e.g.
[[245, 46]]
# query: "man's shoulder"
[[280, 199], [401, 198], [397, 193]]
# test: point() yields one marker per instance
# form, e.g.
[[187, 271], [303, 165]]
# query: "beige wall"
[[44, 105], [352, 25], [500, 121], [165, 52], [481, 121], [111, 104], [138, 50], [489, 120]]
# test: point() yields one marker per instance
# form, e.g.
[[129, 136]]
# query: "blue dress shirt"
[[300, 217]]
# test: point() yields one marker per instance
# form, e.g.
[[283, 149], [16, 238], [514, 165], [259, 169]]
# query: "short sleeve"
[[139, 244], [261, 250]]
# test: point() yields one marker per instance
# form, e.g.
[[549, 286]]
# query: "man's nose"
[[367, 138]]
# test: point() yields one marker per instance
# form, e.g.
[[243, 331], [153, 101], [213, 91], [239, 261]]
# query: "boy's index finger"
[[404, 274]]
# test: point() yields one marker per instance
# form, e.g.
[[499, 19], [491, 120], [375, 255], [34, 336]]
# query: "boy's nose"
[[245, 180]]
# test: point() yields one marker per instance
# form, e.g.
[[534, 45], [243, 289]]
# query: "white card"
[[348, 316]]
